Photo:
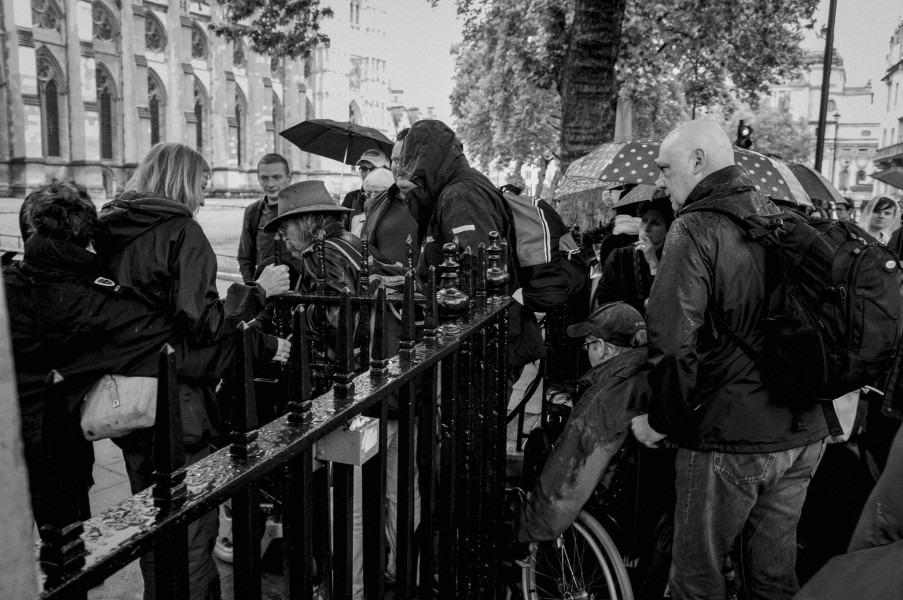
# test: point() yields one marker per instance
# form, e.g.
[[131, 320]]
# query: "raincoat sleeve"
[[194, 296], [676, 311], [247, 246], [610, 287], [469, 217]]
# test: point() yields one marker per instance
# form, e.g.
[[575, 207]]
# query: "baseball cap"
[[616, 323], [375, 157]]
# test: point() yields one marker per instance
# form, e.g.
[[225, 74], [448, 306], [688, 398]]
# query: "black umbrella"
[[341, 141], [817, 186]]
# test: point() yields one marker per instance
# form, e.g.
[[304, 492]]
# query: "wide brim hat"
[[302, 198]]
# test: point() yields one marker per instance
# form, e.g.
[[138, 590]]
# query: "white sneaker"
[[223, 548]]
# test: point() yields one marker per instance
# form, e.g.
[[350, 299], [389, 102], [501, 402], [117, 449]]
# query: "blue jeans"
[[757, 497]]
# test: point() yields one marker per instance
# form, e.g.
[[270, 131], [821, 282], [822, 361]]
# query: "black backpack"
[[833, 319]]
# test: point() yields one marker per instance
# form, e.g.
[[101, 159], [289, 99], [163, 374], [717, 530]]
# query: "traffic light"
[[744, 133]]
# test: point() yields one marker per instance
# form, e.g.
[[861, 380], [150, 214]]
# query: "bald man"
[[745, 458]]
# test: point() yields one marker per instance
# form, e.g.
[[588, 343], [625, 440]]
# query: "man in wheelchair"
[[605, 398], [595, 463]]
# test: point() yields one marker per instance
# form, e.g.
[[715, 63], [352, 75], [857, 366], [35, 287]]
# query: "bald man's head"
[[689, 154]]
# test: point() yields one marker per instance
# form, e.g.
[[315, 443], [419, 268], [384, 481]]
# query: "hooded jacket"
[[155, 247], [707, 394], [462, 202]]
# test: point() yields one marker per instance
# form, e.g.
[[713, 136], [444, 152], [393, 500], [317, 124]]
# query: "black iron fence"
[[449, 379]]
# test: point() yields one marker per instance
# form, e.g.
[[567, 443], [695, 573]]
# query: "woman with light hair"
[[153, 244], [881, 218]]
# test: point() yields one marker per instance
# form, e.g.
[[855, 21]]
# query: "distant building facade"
[[88, 86], [852, 133], [889, 157]]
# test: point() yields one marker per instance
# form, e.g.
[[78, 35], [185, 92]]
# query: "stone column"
[[17, 566], [220, 103], [131, 126], [175, 109]]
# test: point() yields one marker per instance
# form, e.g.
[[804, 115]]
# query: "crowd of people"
[[98, 293]]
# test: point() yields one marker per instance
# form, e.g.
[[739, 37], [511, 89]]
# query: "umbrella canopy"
[[341, 141], [892, 176], [816, 185], [618, 163]]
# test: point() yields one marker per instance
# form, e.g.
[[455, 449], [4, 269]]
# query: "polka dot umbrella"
[[618, 163]]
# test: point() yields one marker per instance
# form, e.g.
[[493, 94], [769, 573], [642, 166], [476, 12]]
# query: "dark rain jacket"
[[65, 315], [707, 394], [615, 392], [892, 403], [464, 203], [155, 247], [625, 277]]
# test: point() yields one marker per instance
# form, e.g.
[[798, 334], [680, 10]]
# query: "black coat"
[[155, 247], [707, 393], [625, 277]]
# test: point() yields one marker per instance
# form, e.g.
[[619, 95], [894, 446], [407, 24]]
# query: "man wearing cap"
[[369, 160], [306, 213], [606, 398]]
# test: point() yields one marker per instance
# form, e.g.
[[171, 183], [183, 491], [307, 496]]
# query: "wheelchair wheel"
[[582, 564]]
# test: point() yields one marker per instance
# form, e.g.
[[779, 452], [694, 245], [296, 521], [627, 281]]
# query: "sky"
[[420, 62], [862, 33], [422, 66]]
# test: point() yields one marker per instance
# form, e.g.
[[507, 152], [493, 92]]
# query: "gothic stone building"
[[88, 86]]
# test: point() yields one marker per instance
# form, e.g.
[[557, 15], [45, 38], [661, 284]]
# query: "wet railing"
[[449, 379]]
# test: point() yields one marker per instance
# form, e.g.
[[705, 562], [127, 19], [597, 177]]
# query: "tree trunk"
[[588, 87], [553, 185], [543, 167]]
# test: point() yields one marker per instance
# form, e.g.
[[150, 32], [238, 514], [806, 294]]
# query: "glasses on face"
[[586, 345]]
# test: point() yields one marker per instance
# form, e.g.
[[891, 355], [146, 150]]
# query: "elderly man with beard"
[[306, 213]]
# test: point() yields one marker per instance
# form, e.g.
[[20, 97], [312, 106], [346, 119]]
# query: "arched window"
[[239, 57], [105, 95], [278, 121], [238, 126], [156, 100], [102, 23], [198, 43], [48, 92], [860, 177], [154, 36], [844, 182], [832, 106], [200, 113], [45, 14]]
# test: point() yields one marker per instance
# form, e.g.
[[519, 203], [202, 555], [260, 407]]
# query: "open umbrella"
[[817, 186], [618, 163], [343, 141]]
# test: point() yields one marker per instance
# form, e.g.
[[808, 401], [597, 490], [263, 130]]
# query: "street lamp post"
[[834, 158]]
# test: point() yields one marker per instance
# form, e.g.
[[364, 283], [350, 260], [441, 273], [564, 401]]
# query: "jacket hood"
[[132, 214], [56, 256], [727, 186], [431, 156]]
